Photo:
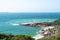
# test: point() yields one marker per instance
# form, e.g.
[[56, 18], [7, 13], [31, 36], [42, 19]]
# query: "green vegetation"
[[48, 23], [56, 22], [57, 26], [15, 37], [53, 37]]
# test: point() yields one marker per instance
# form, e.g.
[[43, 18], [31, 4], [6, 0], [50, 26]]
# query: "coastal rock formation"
[[31, 24]]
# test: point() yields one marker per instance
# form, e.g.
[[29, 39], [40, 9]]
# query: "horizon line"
[[29, 12]]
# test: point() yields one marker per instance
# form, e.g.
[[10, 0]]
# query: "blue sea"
[[9, 21]]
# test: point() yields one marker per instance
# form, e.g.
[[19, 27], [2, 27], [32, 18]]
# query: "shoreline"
[[45, 32]]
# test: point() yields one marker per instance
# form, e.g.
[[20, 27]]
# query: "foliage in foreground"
[[15, 37]]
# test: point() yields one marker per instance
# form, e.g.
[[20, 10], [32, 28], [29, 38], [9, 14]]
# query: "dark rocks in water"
[[31, 24]]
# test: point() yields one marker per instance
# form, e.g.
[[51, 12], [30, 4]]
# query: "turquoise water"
[[9, 27], [8, 23]]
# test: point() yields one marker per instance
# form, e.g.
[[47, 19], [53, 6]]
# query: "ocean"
[[9, 22]]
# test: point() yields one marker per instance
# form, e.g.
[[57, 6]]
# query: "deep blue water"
[[8, 21], [10, 16]]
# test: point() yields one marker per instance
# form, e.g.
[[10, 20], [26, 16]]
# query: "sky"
[[29, 5]]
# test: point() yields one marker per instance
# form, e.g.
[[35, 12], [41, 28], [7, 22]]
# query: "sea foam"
[[14, 24]]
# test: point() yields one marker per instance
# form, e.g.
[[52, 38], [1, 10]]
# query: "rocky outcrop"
[[31, 24]]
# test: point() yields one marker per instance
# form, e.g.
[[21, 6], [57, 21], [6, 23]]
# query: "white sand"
[[38, 36]]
